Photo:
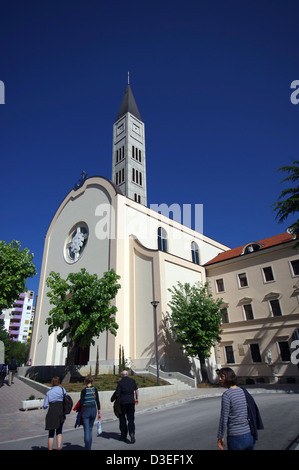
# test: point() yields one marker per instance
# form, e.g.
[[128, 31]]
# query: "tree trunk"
[[203, 368], [97, 371], [71, 353]]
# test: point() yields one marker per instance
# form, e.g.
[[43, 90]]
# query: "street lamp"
[[155, 304]]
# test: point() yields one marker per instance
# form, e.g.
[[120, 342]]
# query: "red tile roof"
[[266, 243]]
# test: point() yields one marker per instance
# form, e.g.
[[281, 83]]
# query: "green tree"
[[82, 309], [122, 362], [15, 267], [19, 351], [288, 204], [196, 321]]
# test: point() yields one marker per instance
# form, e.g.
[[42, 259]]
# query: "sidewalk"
[[17, 424]]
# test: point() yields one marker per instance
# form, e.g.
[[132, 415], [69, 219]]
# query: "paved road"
[[191, 425]]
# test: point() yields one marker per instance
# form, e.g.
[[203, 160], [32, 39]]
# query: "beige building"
[[259, 285], [104, 224]]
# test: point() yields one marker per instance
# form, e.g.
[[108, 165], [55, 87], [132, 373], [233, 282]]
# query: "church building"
[[107, 224]]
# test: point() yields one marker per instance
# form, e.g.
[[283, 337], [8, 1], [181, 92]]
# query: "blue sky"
[[212, 83]]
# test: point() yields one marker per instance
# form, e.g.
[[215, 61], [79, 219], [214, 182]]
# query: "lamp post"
[[155, 304]]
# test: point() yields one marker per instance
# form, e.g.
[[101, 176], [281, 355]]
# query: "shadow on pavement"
[[110, 435]]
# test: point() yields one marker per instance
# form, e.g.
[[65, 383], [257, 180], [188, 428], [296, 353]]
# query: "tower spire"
[[128, 104], [128, 157]]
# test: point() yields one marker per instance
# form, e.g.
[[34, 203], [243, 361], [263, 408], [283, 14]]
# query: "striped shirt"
[[233, 413], [90, 397]]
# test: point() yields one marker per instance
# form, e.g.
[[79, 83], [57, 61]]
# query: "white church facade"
[[103, 225]]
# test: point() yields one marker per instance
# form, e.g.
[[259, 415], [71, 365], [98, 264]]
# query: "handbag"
[[67, 403]]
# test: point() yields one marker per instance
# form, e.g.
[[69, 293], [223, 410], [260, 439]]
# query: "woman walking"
[[55, 416], [90, 403], [234, 414]]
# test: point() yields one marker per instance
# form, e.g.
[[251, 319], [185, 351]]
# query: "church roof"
[[259, 245], [128, 105]]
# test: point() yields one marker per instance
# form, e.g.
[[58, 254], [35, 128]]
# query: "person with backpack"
[[12, 370], [55, 416]]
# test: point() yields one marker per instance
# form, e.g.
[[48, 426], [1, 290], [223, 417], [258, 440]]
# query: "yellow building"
[[259, 285]]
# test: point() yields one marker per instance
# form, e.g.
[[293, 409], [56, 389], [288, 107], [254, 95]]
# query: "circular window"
[[76, 242]]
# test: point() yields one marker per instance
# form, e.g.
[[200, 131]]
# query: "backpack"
[[13, 365], [67, 404]]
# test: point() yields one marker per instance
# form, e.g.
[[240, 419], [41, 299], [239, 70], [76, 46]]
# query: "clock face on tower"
[[76, 242]]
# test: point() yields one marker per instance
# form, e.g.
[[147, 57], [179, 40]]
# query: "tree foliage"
[[288, 203], [196, 320], [19, 351], [15, 267], [82, 308]]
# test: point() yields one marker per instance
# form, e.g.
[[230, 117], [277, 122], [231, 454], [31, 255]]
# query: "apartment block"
[[18, 319]]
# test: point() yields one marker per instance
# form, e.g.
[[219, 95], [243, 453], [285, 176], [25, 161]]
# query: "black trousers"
[[127, 415]]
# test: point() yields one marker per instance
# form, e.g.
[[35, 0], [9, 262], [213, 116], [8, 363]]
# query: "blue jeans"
[[89, 414], [243, 442]]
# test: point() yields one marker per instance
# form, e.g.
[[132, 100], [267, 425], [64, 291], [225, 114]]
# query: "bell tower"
[[128, 150]]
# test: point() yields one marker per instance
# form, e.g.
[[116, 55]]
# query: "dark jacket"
[[254, 417], [116, 404], [78, 409], [55, 416], [126, 389]]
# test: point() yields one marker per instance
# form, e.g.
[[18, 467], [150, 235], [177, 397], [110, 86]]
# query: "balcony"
[[14, 332]]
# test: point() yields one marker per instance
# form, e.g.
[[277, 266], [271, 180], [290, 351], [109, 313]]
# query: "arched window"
[[195, 253], [251, 247], [162, 239]]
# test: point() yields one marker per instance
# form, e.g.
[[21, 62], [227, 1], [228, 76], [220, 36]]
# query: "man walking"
[[12, 370], [127, 390]]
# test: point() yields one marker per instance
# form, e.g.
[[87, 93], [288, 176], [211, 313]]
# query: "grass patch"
[[108, 382], [207, 385]]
